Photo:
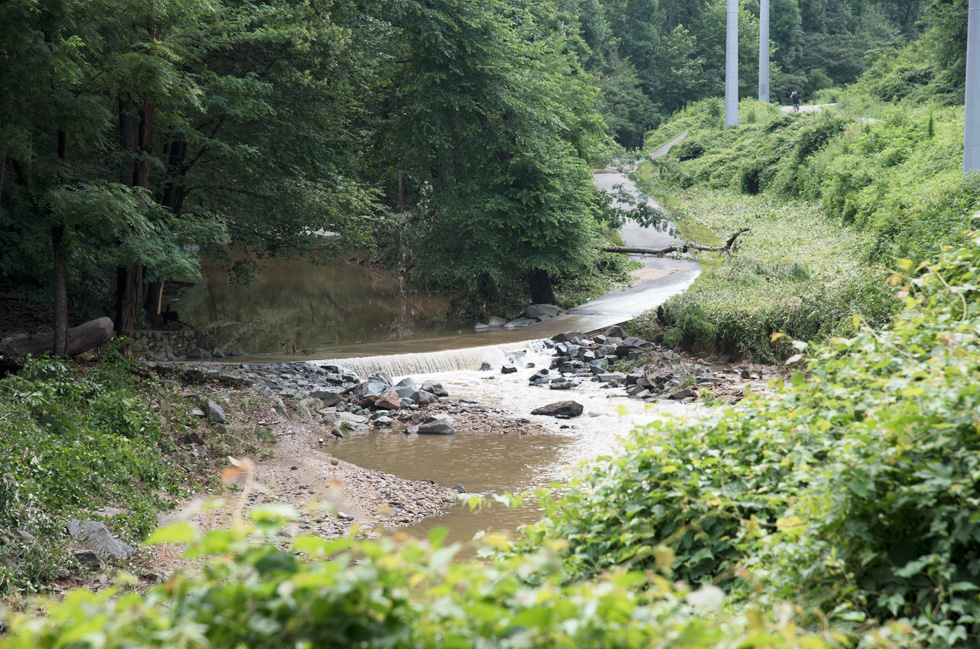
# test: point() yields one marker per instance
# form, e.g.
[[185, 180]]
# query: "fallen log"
[[80, 339], [683, 246]]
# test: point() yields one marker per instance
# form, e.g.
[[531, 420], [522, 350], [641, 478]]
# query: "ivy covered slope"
[[854, 489], [76, 440]]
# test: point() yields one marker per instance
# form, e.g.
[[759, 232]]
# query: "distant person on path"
[[795, 96]]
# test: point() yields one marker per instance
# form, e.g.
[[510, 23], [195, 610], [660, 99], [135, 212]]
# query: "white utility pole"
[[971, 131], [731, 66], [764, 51]]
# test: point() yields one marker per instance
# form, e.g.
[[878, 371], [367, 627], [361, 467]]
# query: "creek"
[[366, 320]]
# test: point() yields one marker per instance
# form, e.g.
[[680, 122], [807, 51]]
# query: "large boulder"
[[560, 410], [496, 322]]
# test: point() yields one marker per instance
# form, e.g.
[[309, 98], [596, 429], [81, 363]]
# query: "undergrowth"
[[853, 488], [77, 439], [794, 273]]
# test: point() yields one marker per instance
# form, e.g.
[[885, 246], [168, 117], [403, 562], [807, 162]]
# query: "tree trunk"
[[136, 124], [129, 290], [79, 339], [60, 345], [541, 289], [151, 305]]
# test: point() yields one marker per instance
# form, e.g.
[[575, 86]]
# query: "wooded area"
[[456, 136]]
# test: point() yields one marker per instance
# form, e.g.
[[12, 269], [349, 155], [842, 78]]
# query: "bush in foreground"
[[855, 487]]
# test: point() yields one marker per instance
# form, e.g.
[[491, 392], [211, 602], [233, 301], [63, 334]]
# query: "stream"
[[364, 319]]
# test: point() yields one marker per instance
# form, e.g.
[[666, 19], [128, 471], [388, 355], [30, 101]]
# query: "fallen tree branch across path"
[[684, 246]]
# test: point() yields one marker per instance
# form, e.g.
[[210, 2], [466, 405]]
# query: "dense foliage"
[[396, 594], [892, 182], [854, 487]]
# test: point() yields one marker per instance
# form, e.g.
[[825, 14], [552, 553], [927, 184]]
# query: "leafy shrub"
[[854, 488], [395, 594]]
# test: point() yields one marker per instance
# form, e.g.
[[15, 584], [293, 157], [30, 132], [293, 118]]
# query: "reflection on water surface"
[[309, 306]]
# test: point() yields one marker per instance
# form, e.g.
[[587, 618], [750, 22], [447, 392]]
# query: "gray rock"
[[496, 322], [412, 430], [560, 409], [519, 323], [508, 369], [217, 353], [383, 421], [612, 377], [568, 335], [562, 384], [281, 408], [238, 351], [374, 385], [682, 394], [485, 366], [406, 388], [538, 310], [197, 353], [351, 418], [330, 398], [424, 398], [97, 538], [480, 327], [197, 412], [88, 559], [215, 412], [435, 388], [438, 425], [459, 489]]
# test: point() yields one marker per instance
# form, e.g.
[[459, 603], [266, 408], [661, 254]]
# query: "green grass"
[[795, 273]]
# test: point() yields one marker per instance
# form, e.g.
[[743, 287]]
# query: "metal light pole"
[[764, 51], [731, 66], [971, 131]]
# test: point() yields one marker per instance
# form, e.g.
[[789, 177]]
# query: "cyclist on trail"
[[795, 96]]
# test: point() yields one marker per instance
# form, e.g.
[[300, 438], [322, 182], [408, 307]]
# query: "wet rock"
[[496, 322], [562, 384], [97, 538], [744, 373], [197, 354], [390, 400], [480, 327], [412, 430], [519, 323], [238, 351], [438, 425], [459, 489], [560, 409], [217, 353], [568, 335], [485, 366], [435, 388], [541, 311], [508, 369]]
